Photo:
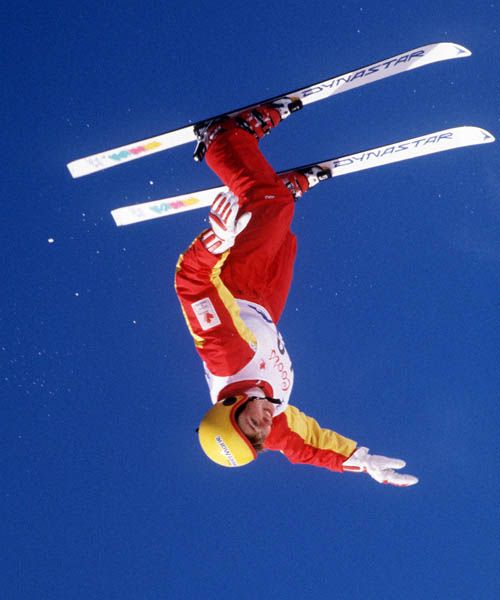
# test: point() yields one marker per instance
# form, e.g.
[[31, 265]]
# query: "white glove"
[[379, 467], [225, 226]]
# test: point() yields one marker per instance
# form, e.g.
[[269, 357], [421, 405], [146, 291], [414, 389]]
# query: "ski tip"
[[480, 135], [462, 51], [451, 49], [454, 50], [488, 137]]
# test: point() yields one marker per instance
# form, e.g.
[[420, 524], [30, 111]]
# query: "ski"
[[411, 59], [430, 143]]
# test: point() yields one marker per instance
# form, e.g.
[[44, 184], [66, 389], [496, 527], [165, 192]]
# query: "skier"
[[232, 284]]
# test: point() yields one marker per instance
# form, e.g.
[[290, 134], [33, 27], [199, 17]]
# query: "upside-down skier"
[[232, 284]]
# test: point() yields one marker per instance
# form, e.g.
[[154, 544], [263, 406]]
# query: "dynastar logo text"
[[362, 73], [399, 147]]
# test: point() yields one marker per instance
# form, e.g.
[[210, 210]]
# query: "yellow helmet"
[[220, 436]]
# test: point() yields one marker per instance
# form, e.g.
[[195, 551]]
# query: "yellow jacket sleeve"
[[303, 441]]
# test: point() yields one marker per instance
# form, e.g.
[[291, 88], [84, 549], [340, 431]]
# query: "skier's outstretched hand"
[[225, 225], [380, 468]]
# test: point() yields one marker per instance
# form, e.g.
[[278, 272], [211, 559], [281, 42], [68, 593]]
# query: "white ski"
[[439, 141], [412, 59]]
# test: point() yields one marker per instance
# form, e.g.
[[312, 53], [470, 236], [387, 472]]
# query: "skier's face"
[[256, 418]]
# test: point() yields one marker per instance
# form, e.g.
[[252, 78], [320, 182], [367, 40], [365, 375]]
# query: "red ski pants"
[[259, 267]]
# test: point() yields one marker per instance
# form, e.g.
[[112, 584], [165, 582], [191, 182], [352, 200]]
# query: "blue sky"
[[392, 322]]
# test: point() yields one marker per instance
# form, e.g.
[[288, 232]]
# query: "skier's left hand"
[[380, 468], [225, 225]]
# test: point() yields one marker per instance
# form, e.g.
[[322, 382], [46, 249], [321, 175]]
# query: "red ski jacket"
[[232, 302]]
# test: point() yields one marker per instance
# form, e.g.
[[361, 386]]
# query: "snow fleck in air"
[[51, 240], [134, 322], [77, 294], [151, 182]]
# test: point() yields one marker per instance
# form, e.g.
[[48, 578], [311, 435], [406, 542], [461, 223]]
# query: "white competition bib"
[[270, 363]]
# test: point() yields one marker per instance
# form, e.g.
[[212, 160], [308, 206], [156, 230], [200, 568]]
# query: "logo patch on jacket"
[[205, 313]]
